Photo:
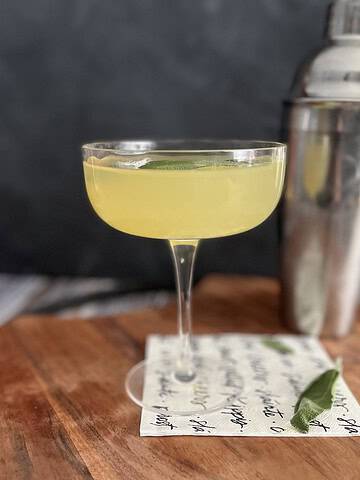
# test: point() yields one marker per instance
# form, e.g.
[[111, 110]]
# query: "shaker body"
[[321, 233]]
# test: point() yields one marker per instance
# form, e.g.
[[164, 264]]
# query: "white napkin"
[[268, 387]]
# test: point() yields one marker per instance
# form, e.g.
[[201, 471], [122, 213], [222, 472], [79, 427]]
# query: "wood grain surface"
[[64, 413]]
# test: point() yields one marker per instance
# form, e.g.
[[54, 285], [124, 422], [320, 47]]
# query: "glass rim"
[[173, 146]]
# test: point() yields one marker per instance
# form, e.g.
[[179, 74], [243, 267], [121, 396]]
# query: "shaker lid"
[[344, 18], [334, 73]]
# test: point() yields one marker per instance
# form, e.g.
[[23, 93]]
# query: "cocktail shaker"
[[321, 231]]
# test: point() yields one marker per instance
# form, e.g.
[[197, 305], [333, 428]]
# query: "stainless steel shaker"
[[321, 234]]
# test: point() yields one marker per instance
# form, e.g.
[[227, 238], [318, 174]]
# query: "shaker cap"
[[344, 19]]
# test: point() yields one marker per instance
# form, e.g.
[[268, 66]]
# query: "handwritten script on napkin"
[[265, 385]]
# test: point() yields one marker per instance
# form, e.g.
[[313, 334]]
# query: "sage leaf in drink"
[[277, 345], [172, 165], [184, 163], [316, 398]]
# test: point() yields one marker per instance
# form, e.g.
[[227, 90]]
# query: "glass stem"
[[183, 252]]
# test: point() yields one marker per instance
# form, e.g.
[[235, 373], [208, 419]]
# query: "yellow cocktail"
[[201, 201], [183, 192]]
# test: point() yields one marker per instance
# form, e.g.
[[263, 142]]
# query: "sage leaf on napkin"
[[277, 345], [316, 398]]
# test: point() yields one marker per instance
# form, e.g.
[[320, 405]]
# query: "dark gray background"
[[73, 71]]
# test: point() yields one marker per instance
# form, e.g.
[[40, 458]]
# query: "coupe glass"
[[183, 191]]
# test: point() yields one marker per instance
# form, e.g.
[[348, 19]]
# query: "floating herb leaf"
[[316, 398], [172, 165], [186, 164], [277, 345]]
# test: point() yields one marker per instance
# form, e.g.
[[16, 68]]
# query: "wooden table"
[[64, 413]]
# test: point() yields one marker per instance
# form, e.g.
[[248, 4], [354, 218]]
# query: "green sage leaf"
[[187, 164], [277, 345], [316, 398]]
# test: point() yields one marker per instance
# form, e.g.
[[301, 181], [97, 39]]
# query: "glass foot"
[[154, 386]]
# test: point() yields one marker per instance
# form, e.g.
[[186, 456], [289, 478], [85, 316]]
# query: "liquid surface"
[[184, 200]]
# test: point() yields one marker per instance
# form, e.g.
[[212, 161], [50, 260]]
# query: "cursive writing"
[[349, 424], [236, 415], [165, 385], [286, 362], [270, 404], [304, 344], [340, 401], [162, 420], [200, 426], [260, 372], [319, 363], [294, 380], [277, 429], [201, 395], [317, 423]]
